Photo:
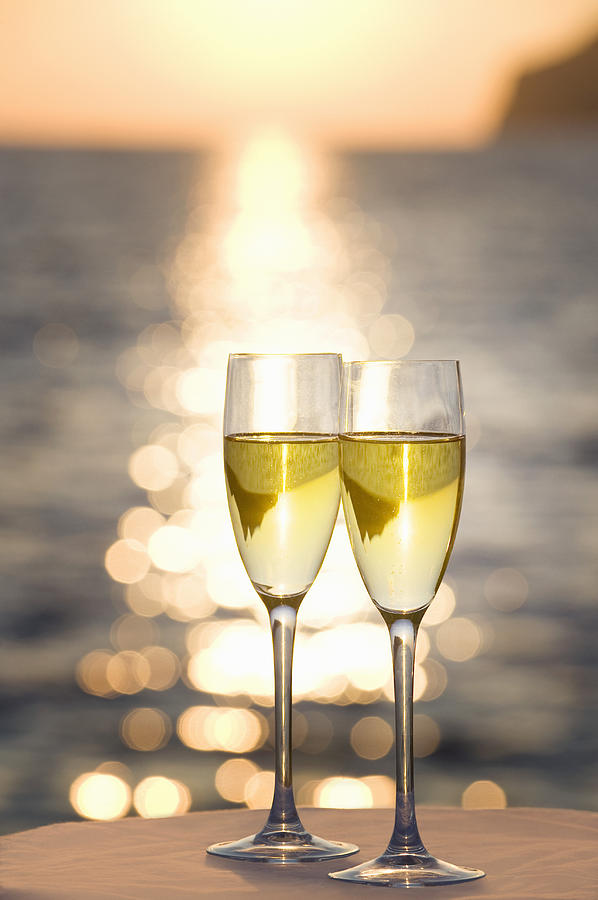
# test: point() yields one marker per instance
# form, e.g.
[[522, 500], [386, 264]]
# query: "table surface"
[[527, 854]]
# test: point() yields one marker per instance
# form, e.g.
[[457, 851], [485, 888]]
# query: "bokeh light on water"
[[484, 795], [157, 797], [153, 467], [227, 730], [480, 254], [372, 737], [340, 792], [273, 257], [426, 735], [443, 606], [145, 729], [232, 778], [273, 263], [164, 667], [259, 790], [458, 639], [98, 795], [127, 561]]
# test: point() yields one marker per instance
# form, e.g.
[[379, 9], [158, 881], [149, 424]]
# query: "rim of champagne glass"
[[280, 355], [397, 362], [388, 363]]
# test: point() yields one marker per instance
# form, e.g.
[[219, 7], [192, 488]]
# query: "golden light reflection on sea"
[[273, 260]]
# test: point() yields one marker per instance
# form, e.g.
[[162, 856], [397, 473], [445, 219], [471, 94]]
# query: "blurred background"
[[181, 180]]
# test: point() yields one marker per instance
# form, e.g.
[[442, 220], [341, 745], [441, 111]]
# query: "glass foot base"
[[406, 870], [282, 846]]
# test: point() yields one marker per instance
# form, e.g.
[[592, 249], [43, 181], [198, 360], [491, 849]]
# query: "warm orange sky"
[[347, 72]]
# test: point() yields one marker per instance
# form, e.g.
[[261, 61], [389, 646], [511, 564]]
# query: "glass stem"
[[405, 837], [283, 812]]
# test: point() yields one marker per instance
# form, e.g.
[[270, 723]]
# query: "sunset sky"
[[196, 72]]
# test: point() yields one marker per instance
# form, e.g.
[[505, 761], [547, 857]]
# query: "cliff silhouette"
[[563, 94]]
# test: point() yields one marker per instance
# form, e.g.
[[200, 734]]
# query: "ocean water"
[[494, 259]]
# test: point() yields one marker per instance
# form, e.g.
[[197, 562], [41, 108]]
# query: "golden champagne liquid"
[[402, 498], [283, 496]]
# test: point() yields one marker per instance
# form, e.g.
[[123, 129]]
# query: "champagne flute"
[[402, 456], [281, 467]]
